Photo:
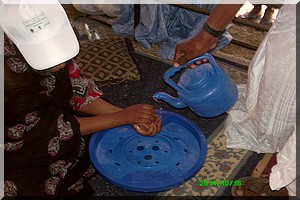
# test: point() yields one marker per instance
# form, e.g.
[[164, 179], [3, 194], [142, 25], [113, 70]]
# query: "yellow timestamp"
[[226, 183]]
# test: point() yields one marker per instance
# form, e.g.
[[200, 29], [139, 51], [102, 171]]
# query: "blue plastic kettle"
[[206, 89]]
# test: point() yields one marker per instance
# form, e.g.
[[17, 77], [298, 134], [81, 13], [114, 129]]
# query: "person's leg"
[[282, 180], [257, 186], [284, 172], [255, 13], [257, 10], [268, 17], [263, 118]]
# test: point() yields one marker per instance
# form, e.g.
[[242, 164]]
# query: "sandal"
[[268, 18], [253, 187], [250, 15], [267, 21]]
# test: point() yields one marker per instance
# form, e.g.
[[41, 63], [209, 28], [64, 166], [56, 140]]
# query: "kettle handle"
[[210, 59], [173, 70]]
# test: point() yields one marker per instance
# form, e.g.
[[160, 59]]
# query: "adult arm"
[[203, 41]]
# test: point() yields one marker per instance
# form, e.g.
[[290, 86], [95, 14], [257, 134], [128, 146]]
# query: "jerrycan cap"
[[192, 78]]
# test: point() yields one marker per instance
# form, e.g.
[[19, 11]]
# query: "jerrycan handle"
[[173, 70]]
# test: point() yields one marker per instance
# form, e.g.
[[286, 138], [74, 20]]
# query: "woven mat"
[[222, 164], [108, 61]]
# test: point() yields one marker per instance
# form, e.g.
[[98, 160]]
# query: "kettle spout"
[[175, 102]]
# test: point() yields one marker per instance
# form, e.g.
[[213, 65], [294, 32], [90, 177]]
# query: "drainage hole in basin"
[[176, 138], [139, 162], [110, 151], [157, 162], [185, 150], [148, 157], [140, 148], [130, 151], [156, 141], [177, 163], [166, 151], [120, 138], [155, 148], [118, 164]]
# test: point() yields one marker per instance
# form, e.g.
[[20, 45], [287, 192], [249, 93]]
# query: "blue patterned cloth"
[[165, 25]]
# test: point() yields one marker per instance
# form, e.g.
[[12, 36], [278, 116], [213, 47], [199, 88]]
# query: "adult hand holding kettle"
[[206, 90], [207, 38]]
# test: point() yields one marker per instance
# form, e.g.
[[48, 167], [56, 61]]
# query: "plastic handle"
[[173, 70]]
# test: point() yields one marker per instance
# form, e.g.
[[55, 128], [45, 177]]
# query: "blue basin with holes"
[[150, 164]]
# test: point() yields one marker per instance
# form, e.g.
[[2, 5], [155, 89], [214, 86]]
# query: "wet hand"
[[139, 114], [149, 129]]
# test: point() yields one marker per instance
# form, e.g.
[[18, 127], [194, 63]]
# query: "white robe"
[[264, 117]]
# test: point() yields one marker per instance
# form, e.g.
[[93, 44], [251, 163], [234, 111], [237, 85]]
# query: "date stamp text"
[[226, 183]]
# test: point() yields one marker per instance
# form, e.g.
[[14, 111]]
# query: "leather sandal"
[[253, 187]]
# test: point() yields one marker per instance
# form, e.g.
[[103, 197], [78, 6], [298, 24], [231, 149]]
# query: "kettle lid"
[[191, 78]]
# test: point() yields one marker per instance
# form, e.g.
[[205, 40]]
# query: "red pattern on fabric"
[[51, 184], [16, 65], [88, 90], [31, 120], [10, 188], [16, 132], [49, 83], [54, 146], [13, 146], [56, 167], [64, 128], [9, 47], [82, 148]]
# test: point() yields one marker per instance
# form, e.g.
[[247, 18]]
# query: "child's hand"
[[139, 114], [149, 129], [143, 118]]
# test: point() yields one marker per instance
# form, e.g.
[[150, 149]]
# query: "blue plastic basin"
[[150, 164]]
